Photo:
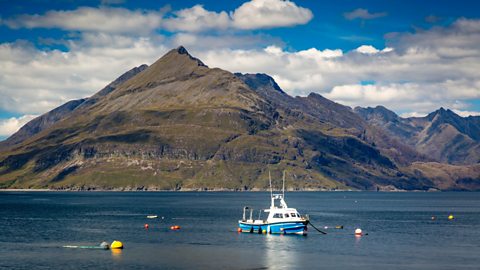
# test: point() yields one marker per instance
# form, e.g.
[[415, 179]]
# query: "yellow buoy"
[[116, 245], [451, 217], [264, 231]]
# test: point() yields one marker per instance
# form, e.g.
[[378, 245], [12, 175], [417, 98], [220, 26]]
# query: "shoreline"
[[164, 190], [206, 190]]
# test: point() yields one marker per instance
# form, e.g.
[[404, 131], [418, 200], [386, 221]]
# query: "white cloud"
[[466, 113], [364, 14], [34, 81], [367, 49], [269, 13], [196, 19], [201, 42], [320, 55], [412, 114], [102, 19], [417, 72], [12, 125], [459, 112], [254, 14]]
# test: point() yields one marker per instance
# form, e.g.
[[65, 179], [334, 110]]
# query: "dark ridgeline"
[[180, 125], [442, 135]]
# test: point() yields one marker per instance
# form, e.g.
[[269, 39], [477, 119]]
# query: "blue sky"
[[410, 56]]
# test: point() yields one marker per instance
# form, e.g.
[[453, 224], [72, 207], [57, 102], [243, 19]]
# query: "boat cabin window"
[[277, 215], [293, 214], [287, 216]]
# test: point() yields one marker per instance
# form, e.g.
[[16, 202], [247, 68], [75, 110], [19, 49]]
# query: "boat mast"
[[283, 187], [270, 179]]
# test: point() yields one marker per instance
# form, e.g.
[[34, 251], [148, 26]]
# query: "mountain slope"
[[442, 135], [48, 119], [178, 124]]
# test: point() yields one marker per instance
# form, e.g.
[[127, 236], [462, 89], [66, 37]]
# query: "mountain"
[[180, 125], [442, 135], [48, 119]]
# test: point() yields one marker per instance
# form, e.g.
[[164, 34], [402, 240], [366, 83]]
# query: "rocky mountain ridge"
[[442, 135], [180, 125]]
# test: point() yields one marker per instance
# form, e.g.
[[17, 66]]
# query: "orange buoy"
[[358, 232], [145, 226], [175, 227], [239, 230]]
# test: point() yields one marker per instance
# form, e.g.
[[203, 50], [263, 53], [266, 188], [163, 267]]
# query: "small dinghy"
[[152, 216], [281, 219]]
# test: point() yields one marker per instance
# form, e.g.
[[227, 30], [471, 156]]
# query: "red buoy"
[[145, 226], [239, 230]]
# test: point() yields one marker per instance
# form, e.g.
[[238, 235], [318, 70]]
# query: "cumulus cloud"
[[198, 42], [269, 13], [102, 19], [34, 81], [13, 124], [369, 49], [400, 81], [361, 13], [417, 72], [196, 19], [255, 14], [412, 114], [466, 113]]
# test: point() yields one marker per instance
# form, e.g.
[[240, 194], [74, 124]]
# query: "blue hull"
[[276, 228]]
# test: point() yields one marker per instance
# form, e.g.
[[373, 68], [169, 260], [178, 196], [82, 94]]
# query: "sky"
[[410, 56]]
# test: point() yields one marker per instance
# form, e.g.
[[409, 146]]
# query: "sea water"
[[399, 232]]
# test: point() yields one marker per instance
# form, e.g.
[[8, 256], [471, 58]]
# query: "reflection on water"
[[358, 238], [117, 253], [280, 251]]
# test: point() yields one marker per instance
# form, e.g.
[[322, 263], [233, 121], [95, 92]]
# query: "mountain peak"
[[379, 112], [259, 80], [181, 51], [443, 113], [176, 65]]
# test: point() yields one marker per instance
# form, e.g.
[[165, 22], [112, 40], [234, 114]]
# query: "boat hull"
[[290, 227]]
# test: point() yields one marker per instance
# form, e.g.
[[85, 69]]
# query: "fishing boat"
[[281, 219]]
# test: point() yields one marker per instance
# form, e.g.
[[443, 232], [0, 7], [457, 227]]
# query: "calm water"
[[401, 235]]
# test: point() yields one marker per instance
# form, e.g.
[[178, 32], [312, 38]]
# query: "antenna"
[[283, 187], [270, 179]]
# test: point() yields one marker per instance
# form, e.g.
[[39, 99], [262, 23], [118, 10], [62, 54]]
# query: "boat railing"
[[250, 219], [244, 213]]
